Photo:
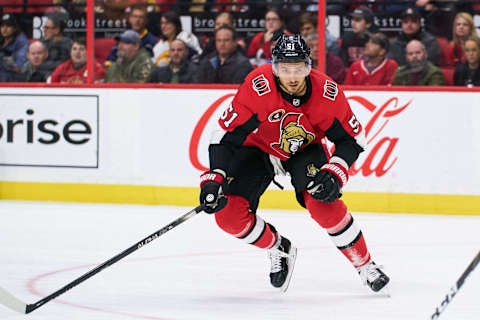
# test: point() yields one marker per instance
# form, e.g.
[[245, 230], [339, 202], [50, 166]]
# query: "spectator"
[[172, 29], [308, 25], [411, 29], [418, 71], [13, 47], [331, 43], [224, 18], [179, 70], [58, 46], [468, 73], [227, 64], [37, 68], [353, 42], [334, 65], [74, 70], [133, 64], [375, 69], [463, 28], [259, 47], [137, 20]]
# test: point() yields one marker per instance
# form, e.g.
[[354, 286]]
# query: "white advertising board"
[[417, 142], [49, 130]]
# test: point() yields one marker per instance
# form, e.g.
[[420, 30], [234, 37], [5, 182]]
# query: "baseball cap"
[[364, 13], [411, 12], [9, 19], [129, 36], [380, 39]]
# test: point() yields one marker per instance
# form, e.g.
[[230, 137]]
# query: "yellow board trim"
[[272, 199]]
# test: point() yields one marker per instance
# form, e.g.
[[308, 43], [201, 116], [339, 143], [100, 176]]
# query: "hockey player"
[[276, 124]]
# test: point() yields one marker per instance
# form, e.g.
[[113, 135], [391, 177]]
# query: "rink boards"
[[150, 146]]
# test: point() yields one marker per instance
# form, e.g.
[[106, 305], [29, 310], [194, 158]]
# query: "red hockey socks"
[[341, 227], [237, 220]]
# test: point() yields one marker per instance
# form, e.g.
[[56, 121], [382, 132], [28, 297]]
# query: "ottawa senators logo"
[[293, 135], [260, 85]]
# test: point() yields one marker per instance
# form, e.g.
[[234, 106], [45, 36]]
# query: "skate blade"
[[291, 264], [384, 292]]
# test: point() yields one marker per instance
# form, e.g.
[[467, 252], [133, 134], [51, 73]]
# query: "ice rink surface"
[[196, 271]]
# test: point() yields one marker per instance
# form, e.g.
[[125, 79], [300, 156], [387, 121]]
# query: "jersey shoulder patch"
[[330, 90], [261, 85]]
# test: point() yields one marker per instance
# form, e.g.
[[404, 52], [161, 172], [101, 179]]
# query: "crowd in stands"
[[421, 53]]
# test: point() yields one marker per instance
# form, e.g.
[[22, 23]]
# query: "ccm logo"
[[45, 131]]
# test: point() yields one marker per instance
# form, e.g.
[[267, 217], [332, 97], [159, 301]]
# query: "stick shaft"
[[123, 254], [454, 289]]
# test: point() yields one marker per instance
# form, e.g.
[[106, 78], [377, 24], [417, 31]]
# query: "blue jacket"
[[17, 49]]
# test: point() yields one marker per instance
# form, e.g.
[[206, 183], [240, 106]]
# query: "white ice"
[[196, 271]]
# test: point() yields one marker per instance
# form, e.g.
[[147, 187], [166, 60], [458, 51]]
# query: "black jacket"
[[164, 74], [464, 76], [234, 69], [398, 47]]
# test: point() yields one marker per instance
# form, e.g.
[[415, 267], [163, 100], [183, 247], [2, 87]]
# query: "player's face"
[[292, 76], [78, 53], [137, 20], [410, 26], [462, 28], [472, 52]]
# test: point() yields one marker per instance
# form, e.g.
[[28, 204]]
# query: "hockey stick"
[[13, 303], [454, 289]]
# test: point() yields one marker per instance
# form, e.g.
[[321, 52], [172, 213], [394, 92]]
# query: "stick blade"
[[11, 302]]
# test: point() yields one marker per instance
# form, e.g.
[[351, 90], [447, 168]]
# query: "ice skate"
[[282, 257], [372, 276]]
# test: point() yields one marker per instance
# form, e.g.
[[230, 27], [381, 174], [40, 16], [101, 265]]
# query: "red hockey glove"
[[211, 191], [327, 185]]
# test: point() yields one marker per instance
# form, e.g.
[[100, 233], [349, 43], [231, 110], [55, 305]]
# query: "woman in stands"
[[463, 28], [468, 73], [259, 48], [172, 29]]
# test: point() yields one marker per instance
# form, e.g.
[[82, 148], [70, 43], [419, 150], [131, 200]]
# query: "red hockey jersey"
[[279, 124]]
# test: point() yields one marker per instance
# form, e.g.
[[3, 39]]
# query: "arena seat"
[[448, 75], [443, 43], [103, 46]]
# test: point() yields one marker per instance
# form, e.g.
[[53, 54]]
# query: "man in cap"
[[375, 69], [353, 42], [412, 29], [13, 47], [133, 64], [137, 19]]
